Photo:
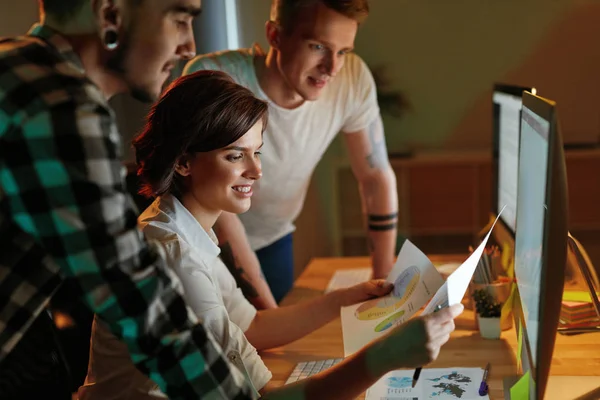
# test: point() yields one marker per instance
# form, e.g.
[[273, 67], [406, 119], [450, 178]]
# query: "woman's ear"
[[273, 32], [183, 166]]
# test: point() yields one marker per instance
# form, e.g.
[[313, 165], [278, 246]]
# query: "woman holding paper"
[[200, 156]]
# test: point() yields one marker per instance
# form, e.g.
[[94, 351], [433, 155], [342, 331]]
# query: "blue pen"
[[483, 388]]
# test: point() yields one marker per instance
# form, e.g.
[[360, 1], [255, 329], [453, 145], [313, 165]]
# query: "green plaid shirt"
[[65, 215]]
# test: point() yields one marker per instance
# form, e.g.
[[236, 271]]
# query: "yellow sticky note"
[[505, 255], [508, 261], [520, 390], [519, 345], [572, 295], [508, 305]]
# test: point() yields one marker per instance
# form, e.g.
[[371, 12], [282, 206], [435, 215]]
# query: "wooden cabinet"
[[445, 199], [583, 177]]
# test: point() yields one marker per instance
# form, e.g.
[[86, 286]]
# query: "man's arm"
[[67, 191], [415, 343], [242, 261], [377, 184]]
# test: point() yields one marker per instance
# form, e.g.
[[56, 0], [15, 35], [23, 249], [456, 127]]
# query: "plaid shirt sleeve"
[[63, 183]]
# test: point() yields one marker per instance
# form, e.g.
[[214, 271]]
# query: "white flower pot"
[[489, 328]]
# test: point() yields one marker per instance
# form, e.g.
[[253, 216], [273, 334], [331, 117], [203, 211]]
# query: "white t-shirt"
[[209, 289], [295, 140]]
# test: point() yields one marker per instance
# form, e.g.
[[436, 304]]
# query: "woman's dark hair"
[[200, 112]]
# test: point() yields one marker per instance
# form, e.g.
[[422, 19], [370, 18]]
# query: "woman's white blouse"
[[211, 292]]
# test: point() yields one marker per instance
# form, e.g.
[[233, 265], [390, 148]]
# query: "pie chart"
[[389, 321], [404, 286]]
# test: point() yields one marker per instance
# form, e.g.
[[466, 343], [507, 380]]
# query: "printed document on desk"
[[434, 383], [415, 280]]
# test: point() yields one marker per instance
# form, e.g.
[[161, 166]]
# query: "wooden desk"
[[577, 355]]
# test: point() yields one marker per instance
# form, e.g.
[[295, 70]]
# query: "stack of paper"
[[578, 314]]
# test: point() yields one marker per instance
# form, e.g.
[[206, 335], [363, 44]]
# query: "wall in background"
[[563, 65], [445, 55], [252, 16], [16, 17]]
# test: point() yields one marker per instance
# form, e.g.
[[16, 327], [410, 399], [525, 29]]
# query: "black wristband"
[[382, 218], [386, 227]]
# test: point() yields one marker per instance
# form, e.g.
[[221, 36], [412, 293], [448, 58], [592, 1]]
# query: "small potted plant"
[[488, 314]]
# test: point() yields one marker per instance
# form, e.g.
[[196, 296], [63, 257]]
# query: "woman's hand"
[[365, 291]]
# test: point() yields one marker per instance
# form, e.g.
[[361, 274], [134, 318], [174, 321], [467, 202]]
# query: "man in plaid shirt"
[[64, 212]]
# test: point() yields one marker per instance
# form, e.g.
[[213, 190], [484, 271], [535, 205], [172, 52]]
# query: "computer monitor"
[[541, 236], [506, 122]]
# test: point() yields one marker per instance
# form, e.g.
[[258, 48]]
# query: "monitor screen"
[[507, 112], [531, 213]]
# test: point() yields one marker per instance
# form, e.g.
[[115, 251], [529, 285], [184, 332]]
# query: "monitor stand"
[[586, 268]]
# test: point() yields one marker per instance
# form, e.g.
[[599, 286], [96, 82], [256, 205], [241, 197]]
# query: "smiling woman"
[[199, 156], [188, 137]]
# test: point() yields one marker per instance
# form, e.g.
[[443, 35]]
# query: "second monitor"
[[506, 120]]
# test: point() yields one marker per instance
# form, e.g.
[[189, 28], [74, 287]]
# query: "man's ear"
[[183, 166], [273, 32], [109, 16]]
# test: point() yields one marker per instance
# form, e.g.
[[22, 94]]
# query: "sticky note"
[[520, 390], [571, 295], [505, 255], [508, 262], [508, 305], [519, 345]]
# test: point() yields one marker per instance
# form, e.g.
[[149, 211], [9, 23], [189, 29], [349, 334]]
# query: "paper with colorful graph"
[[415, 280]]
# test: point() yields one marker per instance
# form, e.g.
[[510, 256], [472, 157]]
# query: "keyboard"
[[343, 278], [309, 368]]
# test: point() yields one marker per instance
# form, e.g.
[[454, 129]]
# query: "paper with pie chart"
[[415, 280]]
